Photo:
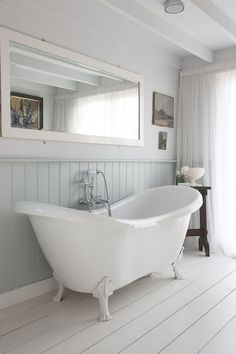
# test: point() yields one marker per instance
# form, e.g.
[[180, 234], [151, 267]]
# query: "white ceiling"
[[194, 22], [204, 26], [228, 6]]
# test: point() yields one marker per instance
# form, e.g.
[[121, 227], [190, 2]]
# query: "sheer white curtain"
[[109, 112], [207, 137]]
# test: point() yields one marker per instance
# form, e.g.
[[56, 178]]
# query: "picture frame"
[[26, 111], [162, 140], [162, 110]]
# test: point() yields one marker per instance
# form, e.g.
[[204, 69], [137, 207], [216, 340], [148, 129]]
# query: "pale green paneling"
[[21, 260]]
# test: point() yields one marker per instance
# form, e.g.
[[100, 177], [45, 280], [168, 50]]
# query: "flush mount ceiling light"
[[173, 6]]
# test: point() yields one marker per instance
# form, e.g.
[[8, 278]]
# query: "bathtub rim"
[[175, 213], [74, 215]]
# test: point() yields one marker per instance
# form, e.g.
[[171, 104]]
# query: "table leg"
[[200, 246], [203, 241]]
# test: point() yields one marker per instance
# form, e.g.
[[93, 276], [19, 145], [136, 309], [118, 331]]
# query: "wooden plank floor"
[[153, 315]]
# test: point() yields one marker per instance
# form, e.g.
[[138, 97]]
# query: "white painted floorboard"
[[152, 315]]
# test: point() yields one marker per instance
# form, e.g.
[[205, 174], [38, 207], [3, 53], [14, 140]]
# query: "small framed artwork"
[[26, 111], [162, 110], [162, 140]]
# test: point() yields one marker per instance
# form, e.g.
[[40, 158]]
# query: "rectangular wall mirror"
[[56, 94]]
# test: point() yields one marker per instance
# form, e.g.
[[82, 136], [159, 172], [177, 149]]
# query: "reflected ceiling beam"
[[52, 60], [139, 14], [19, 85], [42, 78], [218, 16], [77, 67], [45, 67]]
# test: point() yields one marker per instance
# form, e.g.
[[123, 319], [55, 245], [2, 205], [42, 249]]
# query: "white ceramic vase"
[[193, 174]]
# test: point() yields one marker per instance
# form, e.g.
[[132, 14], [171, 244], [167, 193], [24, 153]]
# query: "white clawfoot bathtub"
[[97, 254]]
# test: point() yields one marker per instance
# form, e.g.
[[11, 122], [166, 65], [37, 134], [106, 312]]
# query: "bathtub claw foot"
[[178, 275], [60, 291], [102, 291]]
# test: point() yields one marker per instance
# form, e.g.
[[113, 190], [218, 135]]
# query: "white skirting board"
[[27, 292]]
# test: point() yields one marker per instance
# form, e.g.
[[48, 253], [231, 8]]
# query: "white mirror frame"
[[7, 36]]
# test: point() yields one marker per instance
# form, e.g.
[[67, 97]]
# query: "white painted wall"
[[158, 76]]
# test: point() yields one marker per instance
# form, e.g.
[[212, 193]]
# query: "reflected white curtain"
[[207, 137], [109, 112]]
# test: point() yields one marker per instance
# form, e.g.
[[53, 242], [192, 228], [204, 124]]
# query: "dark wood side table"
[[202, 231]]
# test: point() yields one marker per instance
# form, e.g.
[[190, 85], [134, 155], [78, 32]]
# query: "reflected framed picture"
[[162, 140], [162, 110], [26, 111]]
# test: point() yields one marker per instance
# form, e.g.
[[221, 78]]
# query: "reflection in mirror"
[[54, 94]]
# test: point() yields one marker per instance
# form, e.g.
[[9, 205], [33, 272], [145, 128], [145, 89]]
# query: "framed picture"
[[162, 140], [26, 111], [162, 110]]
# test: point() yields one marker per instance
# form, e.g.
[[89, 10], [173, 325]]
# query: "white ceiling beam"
[[141, 15], [213, 11], [42, 78]]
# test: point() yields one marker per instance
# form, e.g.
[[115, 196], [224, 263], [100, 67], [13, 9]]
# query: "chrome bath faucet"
[[90, 200]]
